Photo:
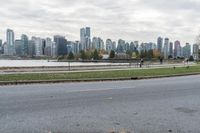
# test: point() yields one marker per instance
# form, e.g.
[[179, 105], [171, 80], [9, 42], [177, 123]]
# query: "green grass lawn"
[[104, 74]]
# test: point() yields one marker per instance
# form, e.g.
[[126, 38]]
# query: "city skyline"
[[130, 20], [153, 40], [59, 46]]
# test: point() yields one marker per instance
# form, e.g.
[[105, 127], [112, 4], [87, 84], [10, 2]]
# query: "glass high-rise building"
[[76, 47], [166, 48], [85, 38], [160, 44], [121, 46], [87, 32], [10, 39], [196, 51], [171, 49], [177, 49], [82, 39], [18, 47], [38, 46], [61, 44], [109, 45], [48, 47], [53, 50], [1, 43], [31, 48], [24, 40], [187, 50], [97, 43], [1, 47]]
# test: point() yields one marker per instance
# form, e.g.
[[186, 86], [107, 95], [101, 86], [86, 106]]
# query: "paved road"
[[145, 106]]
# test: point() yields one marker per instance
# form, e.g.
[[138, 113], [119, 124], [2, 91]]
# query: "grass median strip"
[[100, 74]]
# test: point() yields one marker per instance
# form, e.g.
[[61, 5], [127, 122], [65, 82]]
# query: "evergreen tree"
[[83, 55], [96, 55], [191, 58], [199, 55], [70, 56], [112, 54], [142, 54], [150, 54], [137, 54]]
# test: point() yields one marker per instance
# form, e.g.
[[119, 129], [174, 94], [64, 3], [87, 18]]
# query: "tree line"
[[98, 55]]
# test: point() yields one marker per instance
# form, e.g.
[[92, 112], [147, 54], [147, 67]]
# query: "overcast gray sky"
[[142, 20]]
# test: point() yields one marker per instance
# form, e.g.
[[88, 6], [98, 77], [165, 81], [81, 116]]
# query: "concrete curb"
[[92, 80]]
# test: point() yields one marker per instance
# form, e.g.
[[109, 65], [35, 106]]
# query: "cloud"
[[141, 20]]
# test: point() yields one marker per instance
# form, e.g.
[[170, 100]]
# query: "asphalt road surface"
[[144, 106]]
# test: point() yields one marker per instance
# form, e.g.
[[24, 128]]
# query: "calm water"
[[38, 63]]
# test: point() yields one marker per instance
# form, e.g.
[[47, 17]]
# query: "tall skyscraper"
[[177, 49], [149, 46], [61, 44], [114, 45], [5, 49], [97, 43], [171, 45], [121, 46], [196, 51], [31, 48], [38, 46], [87, 32], [160, 44], [54, 50], [82, 39], [101, 44], [1, 43], [70, 46], [85, 38], [132, 47], [109, 45], [47, 48], [76, 47], [127, 46], [187, 50], [10, 42], [136, 43], [166, 48], [24, 47], [18, 47], [88, 38], [1, 47]]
